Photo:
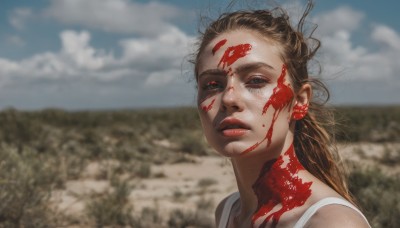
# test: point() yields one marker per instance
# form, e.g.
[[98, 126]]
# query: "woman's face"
[[244, 94]]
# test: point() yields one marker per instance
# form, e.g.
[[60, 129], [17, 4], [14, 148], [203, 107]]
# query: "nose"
[[231, 99]]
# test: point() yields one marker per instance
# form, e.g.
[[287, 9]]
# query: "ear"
[[302, 101]]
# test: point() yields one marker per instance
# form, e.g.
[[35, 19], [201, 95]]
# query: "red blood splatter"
[[279, 184], [299, 111], [232, 54], [281, 97], [207, 108], [263, 125], [218, 46], [252, 147]]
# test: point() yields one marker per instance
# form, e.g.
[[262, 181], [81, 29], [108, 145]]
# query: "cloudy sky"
[[107, 54]]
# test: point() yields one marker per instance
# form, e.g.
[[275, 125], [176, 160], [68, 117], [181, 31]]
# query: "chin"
[[235, 149]]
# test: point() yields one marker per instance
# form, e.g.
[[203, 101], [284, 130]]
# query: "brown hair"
[[313, 140]]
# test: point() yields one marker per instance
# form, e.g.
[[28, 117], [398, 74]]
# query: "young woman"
[[256, 107]]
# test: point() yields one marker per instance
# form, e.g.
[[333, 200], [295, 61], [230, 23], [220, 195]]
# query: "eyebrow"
[[216, 71], [247, 67]]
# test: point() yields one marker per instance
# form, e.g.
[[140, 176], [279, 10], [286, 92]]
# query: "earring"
[[299, 111]]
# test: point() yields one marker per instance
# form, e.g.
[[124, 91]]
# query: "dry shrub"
[[112, 208], [378, 195], [25, 189]]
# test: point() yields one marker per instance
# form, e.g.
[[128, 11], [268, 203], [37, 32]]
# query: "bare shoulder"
[[332, 216]]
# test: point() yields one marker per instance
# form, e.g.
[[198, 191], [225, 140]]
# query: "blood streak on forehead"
[[218, 46], [232, 54]]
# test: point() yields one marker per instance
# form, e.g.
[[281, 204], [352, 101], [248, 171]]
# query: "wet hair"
[[313, 137]]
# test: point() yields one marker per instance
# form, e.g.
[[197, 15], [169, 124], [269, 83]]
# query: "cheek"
[[207, 111], [206, 105], [257, 100]]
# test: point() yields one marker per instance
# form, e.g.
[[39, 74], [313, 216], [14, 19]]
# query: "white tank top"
[[303, 219]]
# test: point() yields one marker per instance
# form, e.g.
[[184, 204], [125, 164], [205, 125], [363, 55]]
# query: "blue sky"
[[110, 54]]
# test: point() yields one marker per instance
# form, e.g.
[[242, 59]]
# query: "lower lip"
[[234, 132]]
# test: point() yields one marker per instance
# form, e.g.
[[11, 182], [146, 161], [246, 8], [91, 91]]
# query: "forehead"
[[262, 49]]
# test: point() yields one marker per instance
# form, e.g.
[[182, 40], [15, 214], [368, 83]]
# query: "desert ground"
[[184, 185]]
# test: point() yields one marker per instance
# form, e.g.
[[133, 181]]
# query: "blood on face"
[[207, 108], [281, 97], [230, 56], [218, 46]]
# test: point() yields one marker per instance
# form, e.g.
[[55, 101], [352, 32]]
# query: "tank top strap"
[[324, 202], [227, 209]]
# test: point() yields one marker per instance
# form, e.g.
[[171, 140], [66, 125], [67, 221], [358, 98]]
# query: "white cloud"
[[385, 35], [356, 62], [75, 59], [158, 59], [167, 49], [7, 67], [121, 16], [19, 17], [161, 78], [76, 48], [80, 75], [341, 19]]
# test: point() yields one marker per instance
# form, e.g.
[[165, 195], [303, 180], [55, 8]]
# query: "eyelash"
[[257, 81], [209, 85], [254, 83]]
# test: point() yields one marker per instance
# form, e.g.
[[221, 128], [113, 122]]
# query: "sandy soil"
[[180, 187], [369, 154]]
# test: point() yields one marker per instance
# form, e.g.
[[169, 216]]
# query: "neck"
[[266, 183]]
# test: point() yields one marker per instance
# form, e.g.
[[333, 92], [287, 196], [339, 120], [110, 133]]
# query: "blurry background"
[[91, 54], [98, 125]]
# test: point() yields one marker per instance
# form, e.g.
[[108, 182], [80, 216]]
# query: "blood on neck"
[[279, 184]]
